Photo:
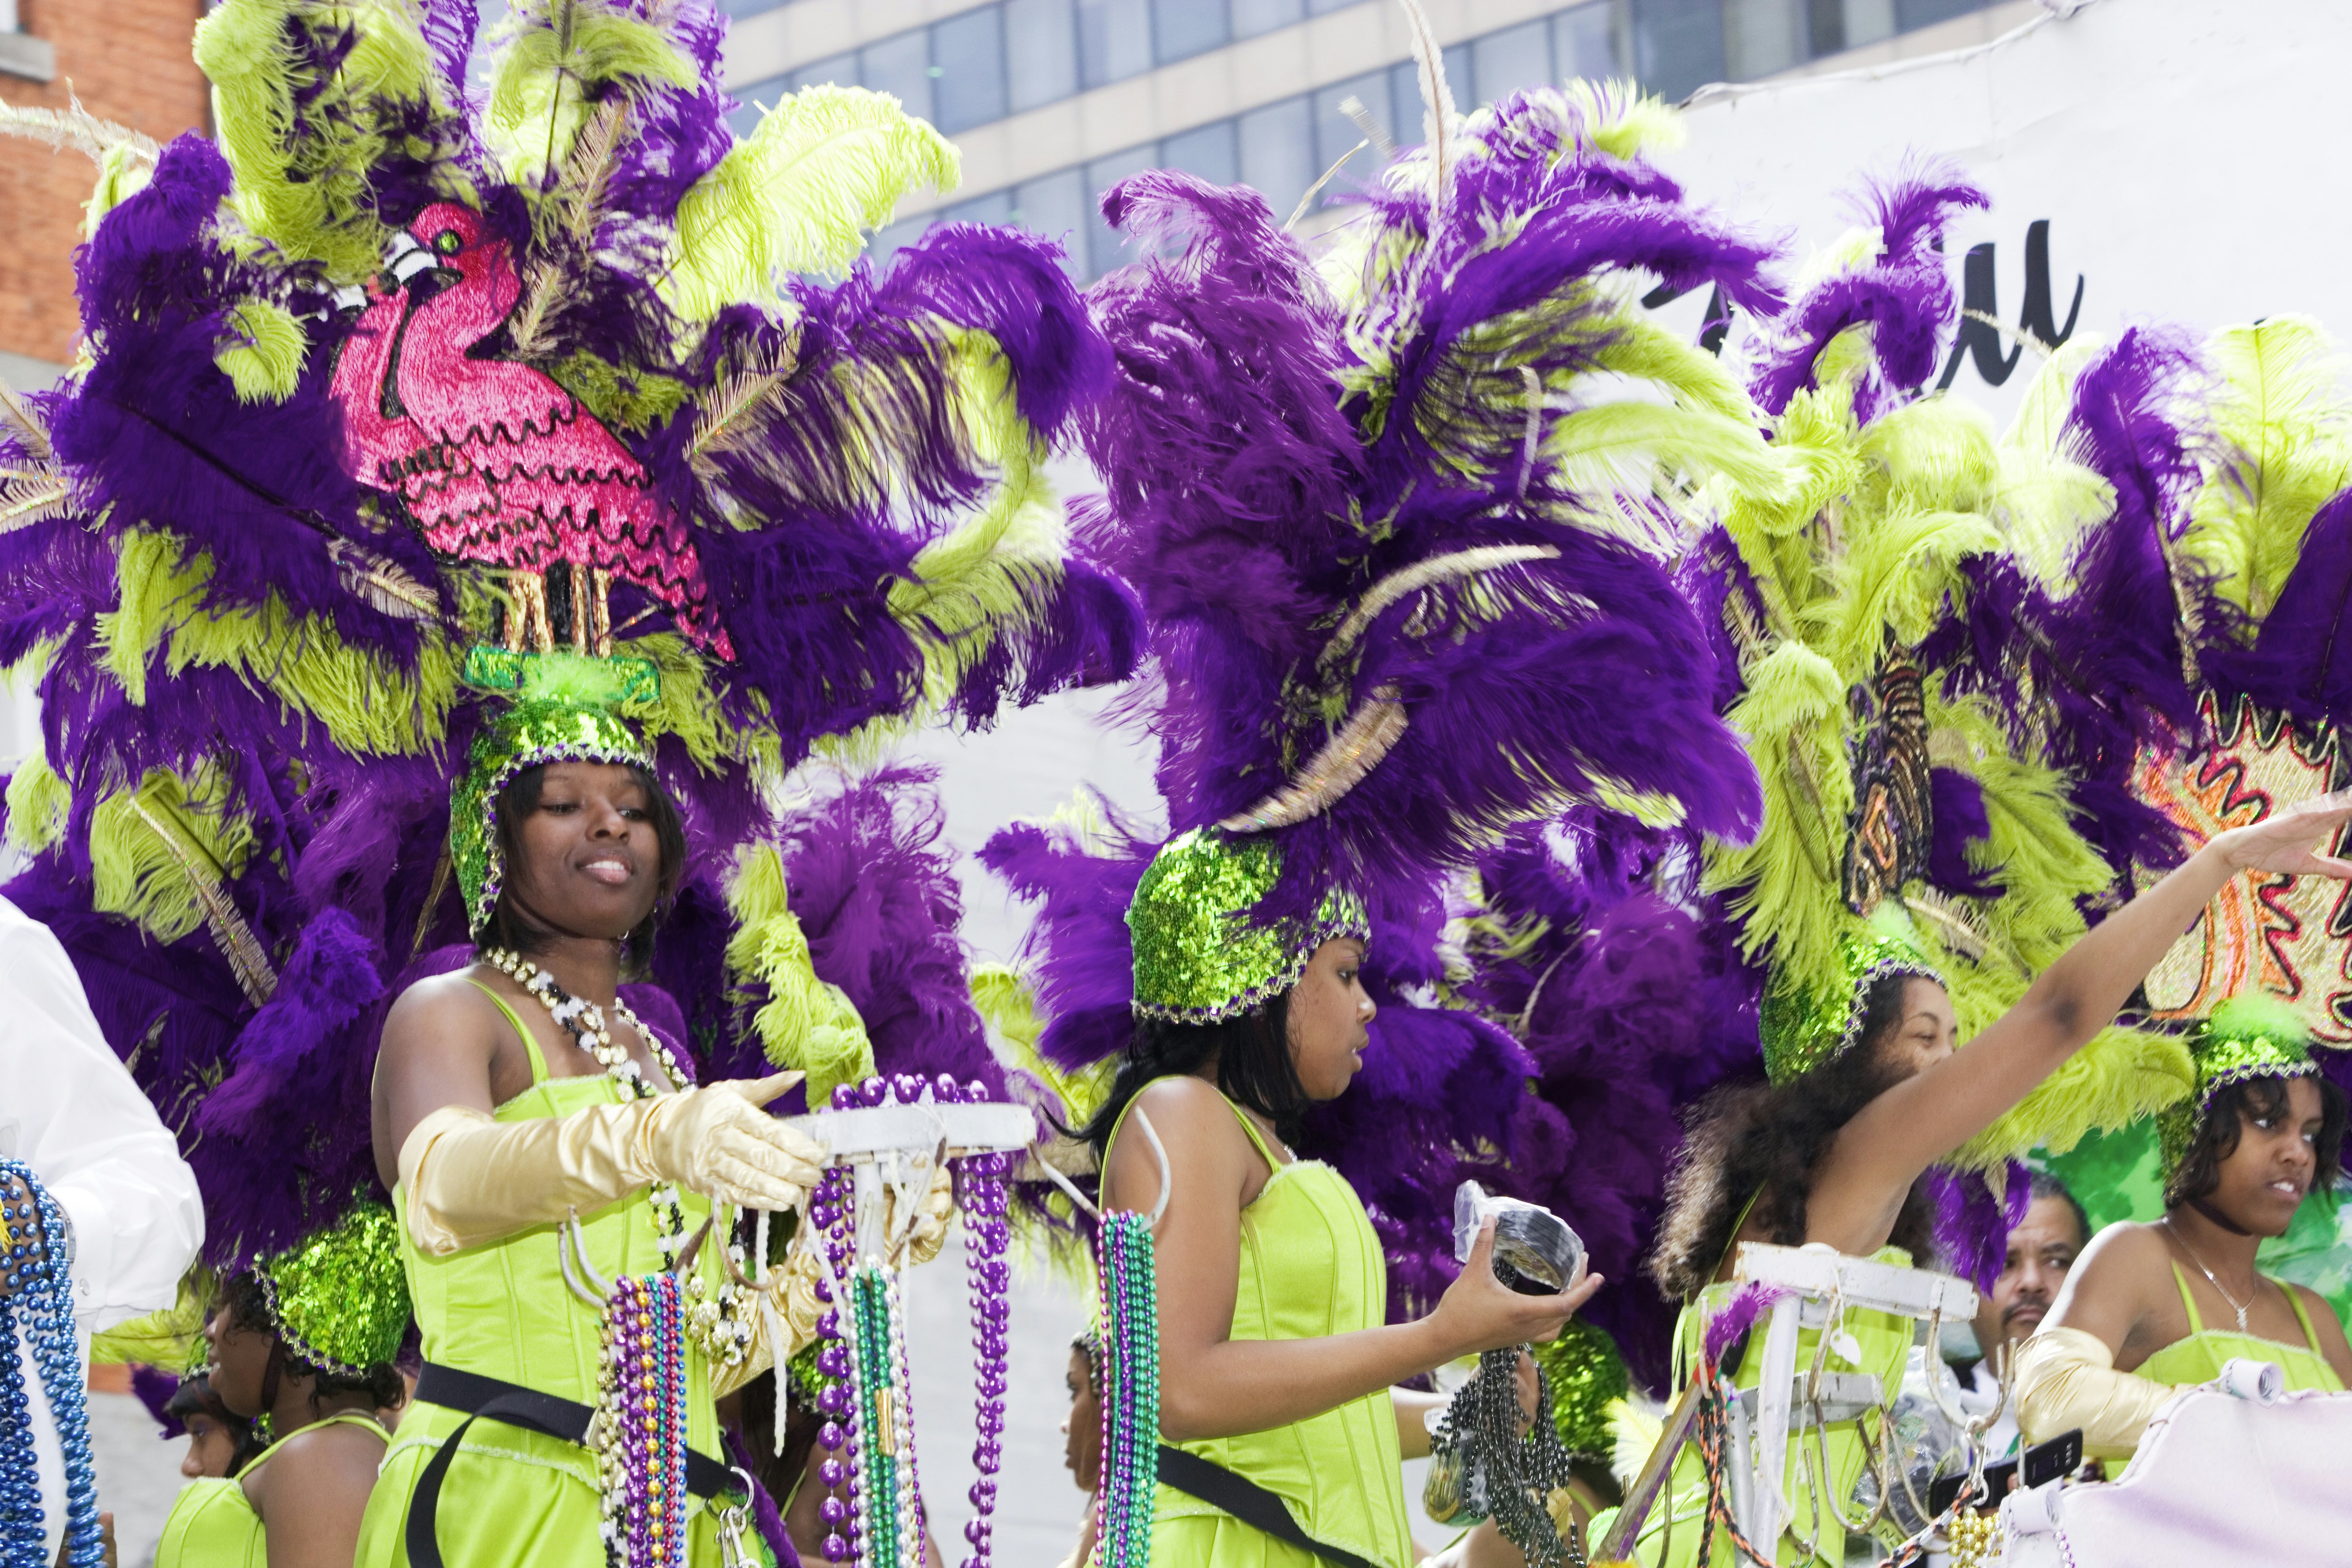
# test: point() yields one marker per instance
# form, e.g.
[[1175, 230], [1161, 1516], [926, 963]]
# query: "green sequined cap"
[[2247, 1036], [1805, 1026], [1588, 1375], [565, 715], [1198, 958], [340, 1300]]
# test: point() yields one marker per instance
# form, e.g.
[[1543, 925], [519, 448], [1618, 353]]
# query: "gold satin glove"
[[2068, 1378], [470, 1179], [929, 1232]]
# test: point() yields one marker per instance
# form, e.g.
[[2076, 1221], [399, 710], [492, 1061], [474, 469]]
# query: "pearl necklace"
[[713, 1322]]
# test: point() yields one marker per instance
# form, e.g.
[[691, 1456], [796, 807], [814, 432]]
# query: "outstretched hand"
[[1480, 1312], [2288, 843]]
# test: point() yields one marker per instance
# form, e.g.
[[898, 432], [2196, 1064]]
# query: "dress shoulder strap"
[[2302, 1315], [339, 1418], [2188, 1302], [538, 1062]]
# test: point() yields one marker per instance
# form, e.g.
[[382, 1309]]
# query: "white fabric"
[[2217, 1479], [73, 1114], [1979, 1396]]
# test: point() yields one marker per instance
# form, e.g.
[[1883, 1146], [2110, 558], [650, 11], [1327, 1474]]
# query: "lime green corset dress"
[[1311, 1267], [212, 1524], [1884, 1341], [511, 1497], [2200, 1357]]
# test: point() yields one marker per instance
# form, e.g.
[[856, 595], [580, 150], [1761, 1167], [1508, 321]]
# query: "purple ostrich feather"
[[1973, 1222]]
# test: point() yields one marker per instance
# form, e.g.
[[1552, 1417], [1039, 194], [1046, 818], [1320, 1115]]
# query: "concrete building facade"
[[126, 60], [1053, 100]]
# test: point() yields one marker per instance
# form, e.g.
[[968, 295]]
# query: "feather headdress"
[[396, 386], [1396, 527]]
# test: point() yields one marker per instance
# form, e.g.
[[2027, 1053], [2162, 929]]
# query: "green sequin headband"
[[2246, 1038], [1805, 1027], [552, 721], [339, 1300], [1198, 957]]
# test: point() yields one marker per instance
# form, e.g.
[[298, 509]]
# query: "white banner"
[[2177, 161]]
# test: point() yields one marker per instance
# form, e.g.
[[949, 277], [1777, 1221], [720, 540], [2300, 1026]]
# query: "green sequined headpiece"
[[1805, 1026], [1198, 958], [340, 1300], [565, 714], [2246, 1038]]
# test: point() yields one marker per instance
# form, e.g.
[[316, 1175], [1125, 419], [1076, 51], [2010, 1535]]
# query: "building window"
[[1848, 23], [746, 7], [1183, 28], [1056, 206], [1114, 40], [1511, 60], [1584, 43], [1105, 248], [968, 69], [1252, 18], [1910, 14], [900, 66], [1677, 45], [1277, 153], [1760, 36], [1041, 51], [1205, 151]]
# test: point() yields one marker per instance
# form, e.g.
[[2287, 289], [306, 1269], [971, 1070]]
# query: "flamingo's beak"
[[405, 258]]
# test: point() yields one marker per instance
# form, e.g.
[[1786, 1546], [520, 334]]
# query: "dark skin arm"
[[1859, 1189], [445, 1043], [311, 1493], [1213, 1385]]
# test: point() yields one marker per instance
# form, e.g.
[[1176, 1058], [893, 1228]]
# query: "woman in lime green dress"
[[1863, 1101], [2148, 1310], [302, 1345], [539, 1141], [1277, 1359]]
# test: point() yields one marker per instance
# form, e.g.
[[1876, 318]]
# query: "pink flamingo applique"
[[497, 462]]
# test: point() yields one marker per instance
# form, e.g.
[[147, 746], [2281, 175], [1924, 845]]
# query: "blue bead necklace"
[[39, 1315]]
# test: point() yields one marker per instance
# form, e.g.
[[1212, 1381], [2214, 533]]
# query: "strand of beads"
[[829, 1212], [902, 1421], [36, 1312], [715, 1321], [639, 1433], [987, 1238], [1130, 1452], [879, 1504]]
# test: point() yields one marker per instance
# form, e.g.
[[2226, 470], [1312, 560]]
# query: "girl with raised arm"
[[1862, 1104]]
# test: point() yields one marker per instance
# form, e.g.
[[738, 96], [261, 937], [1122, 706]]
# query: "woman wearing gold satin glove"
[[2149, 1310], [539, 1141]]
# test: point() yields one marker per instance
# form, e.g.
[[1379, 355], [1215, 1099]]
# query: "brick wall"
[[129, 62]]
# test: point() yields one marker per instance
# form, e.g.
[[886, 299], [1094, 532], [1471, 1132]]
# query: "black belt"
[[1245, 1501], [487, 1397]]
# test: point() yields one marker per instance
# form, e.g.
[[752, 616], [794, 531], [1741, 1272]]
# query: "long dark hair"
[[2219, 1130], [510, 928], [1254, 1067], [1751, 1141]]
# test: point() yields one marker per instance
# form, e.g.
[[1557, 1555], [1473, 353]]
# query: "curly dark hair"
[[509, 928], [1765, 1142], [2219, 1130], [1254, 1067], [248, 1309]]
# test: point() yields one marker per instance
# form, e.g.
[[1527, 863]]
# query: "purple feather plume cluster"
[[1904, 296], [812, 446], [1973, 1222], [1738, 1317]]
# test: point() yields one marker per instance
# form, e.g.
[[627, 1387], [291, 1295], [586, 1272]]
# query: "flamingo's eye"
[[448, 242]]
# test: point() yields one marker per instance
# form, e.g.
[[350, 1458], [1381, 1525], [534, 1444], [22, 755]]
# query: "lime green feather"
[[135, 871], [821, 167], [369, 707], [2046, 500], [1622, 120], [2286, 448], [1009, 1007], [1783, 884], [38, 803], [805, 1023], [263, 352], [305, 146], [549, 56]]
